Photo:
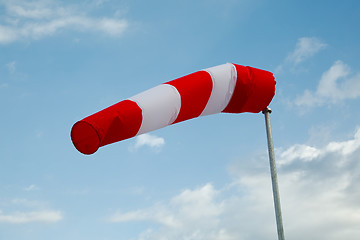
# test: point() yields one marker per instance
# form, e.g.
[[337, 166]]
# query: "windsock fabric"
[[229, 88]]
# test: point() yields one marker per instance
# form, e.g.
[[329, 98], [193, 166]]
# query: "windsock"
[[229, 88]]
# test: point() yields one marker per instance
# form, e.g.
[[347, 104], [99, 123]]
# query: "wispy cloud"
[[319, 196], [306, 47], [22, 210], [11, 66], [335, 85], [44, 216], [158, 214], [38, 19], [190, 211], [149, 140], [26, 203], [306, 153], [31, 187]]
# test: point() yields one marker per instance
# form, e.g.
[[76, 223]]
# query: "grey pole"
[[275, 188]]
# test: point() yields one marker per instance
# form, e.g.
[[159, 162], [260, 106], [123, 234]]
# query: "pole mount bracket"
[[267, 109]]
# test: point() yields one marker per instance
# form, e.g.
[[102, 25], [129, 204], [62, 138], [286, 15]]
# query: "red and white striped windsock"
[[227, 88]]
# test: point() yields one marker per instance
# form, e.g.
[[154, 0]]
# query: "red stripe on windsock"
[[253, 92], [115, 123], [195, 90]]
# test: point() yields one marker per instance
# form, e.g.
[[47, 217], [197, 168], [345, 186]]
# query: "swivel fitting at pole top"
[[267, 110]]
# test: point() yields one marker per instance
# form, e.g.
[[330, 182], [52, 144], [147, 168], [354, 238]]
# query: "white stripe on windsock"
[[224, 81], [160, 107]]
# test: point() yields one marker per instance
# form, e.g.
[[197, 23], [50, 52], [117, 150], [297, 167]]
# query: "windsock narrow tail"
[[227, 88]]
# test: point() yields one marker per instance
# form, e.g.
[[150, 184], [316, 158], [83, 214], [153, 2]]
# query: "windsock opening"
[[115, 123], [85, 138]]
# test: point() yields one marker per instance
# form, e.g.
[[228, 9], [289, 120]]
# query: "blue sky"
[[206, 178]]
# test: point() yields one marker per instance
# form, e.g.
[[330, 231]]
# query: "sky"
[[206, 178]]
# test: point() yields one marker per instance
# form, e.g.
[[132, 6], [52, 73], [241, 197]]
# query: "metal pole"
[[275, 188]]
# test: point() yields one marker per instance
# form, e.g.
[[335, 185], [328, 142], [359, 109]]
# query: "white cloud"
[[22, 210], [31, 187], [306, 47], [319, 196], [28, 204], [190, 215], [44, 216], [99, 2], [157, 214], [345, 148], [38, 19], [335, 85], [11, 66], [299, 151], [149, 140], [305, 153], [29, 9]]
